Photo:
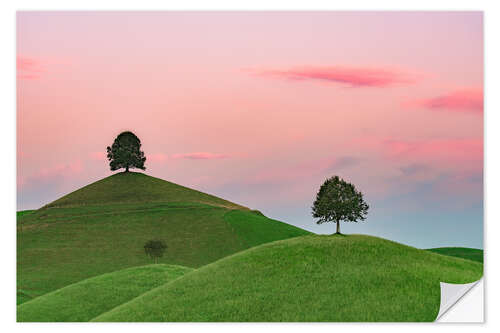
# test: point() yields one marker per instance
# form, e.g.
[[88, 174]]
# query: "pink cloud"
[[28, 68], [434, 146], [350, 76], [157, 158], [162, 158], [52, 174], [98, 156], [286, 174], [200, 156], [306, 170], [465, 100], [450, 153]]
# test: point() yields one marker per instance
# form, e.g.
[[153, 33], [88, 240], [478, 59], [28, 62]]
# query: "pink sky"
[[260, 107]]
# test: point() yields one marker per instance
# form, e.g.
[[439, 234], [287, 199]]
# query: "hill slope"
[[69, 240], [460, 252], [87, 299], [310, 278], [135, 187]]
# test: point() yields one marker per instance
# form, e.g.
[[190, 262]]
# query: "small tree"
[[126, 152], [155, 249], [338, 200]]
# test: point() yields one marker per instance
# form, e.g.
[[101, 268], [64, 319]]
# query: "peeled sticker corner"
[[451, 293]]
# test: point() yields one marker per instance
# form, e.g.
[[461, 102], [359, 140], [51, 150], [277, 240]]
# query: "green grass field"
[[460, 252], [310, 278], [63, 244], [89, 298], [81, 258], [23, 212]]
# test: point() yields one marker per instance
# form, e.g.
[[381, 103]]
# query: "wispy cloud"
[[292, 182], [51, 175], [157, 158], [200, 156], [465, 100], [28, 68], [453, 155], [435, 147], [343, 162], [49, 183], [349, 76], [306, 170], [160, 158], [414, 169], [98, 156]]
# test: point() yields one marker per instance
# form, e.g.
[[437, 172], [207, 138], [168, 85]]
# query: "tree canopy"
[[126, 152], [338, 200], [155, 249]]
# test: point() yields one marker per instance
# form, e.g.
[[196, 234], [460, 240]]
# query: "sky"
[[261, 107]]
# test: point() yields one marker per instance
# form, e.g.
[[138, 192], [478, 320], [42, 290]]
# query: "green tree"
[[126, 152], [338, 200], [155, 249]]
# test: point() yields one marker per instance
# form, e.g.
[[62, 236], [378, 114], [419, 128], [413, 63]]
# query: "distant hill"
[[310, 278], [460, 252], [103, 227]]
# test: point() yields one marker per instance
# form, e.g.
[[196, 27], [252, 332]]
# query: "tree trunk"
[[126, 170], [338, 227]]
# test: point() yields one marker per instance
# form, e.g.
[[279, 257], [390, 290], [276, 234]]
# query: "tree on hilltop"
[[126, 152], [338, 200]]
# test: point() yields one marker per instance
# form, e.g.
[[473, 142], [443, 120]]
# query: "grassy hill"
[[103, 227], [81, 258], [460, 252], [89, 298], [310, 278], [135, 187], [23, 212]]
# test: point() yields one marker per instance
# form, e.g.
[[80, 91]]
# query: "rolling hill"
[[460, 252], [81, 258], [89, 298], [309, 278], [102, 228]]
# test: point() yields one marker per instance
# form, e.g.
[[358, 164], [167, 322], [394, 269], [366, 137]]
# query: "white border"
[[8, 199]]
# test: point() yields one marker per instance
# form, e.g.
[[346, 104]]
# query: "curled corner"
[[451, 293]]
